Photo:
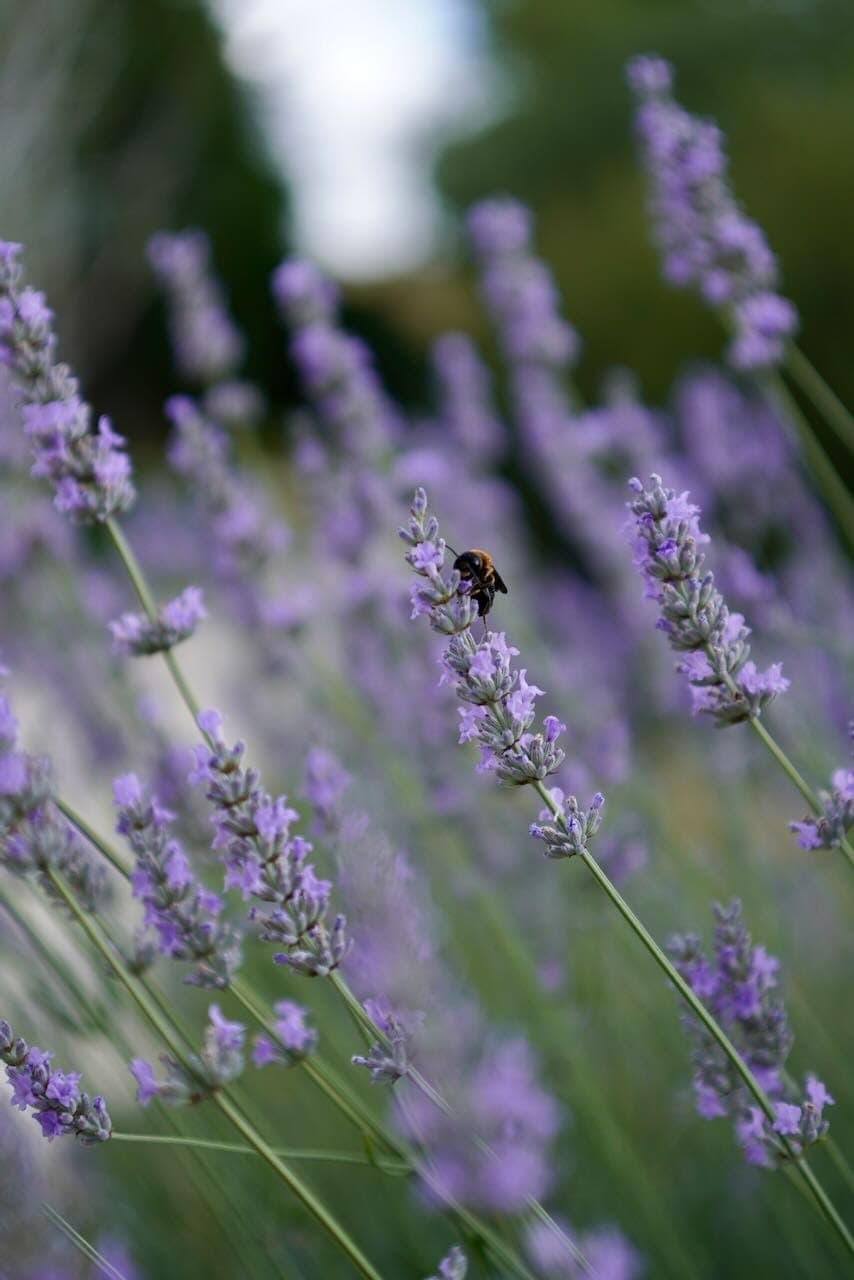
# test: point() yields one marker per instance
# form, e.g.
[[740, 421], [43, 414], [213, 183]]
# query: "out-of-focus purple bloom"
[[220, 1061], [608, 1254], [184, 914], [264, 861], [34, 837], [828, 829], [693, 615], [135, 635], [465, 408], [61, 1108], [738, 990], [206, 344], [705, 240], [90, 473], [324, 781], [454, 1266], [294, 1038], [234, 404]]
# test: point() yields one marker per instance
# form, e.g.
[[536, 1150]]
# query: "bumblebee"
[[476, 567]]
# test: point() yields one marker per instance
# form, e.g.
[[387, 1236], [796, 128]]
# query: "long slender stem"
[[819, 1195], [802, 371], [313, 1154], [835, 492], [220, 1098]]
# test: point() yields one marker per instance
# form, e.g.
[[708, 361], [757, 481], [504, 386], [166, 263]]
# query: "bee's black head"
[[469, 564]]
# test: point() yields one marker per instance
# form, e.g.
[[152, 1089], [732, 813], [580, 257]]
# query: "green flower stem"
[[819, 1195], [835, 492], [92, 836], [314, 1154], [220, 1098], [803, 372], [81, 1243]]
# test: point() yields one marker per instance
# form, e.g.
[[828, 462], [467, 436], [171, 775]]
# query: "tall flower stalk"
[[446, 603]]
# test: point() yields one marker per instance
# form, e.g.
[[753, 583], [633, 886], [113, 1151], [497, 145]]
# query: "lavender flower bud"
[[294, 1038], [60, 1106], [221, 1060], [577, 826], [387, 1065], [90, 473], [453, 1266], [134, 634], [183, 913], [827, 830], [693, 614]]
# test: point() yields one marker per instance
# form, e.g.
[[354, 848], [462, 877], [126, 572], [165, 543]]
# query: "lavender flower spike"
[[264, 860], [738, 989], [90, 473], [184, 914], [498, 703], [704, 238], [60, 1106], [221, 1060], [697, 622], [135, 635], [829, 829], [454, 1266]]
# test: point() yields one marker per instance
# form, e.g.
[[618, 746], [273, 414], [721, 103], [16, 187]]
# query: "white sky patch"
[[353, 92]]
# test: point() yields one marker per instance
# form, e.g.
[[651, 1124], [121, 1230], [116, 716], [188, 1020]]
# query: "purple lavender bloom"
[[264, 860], [61, 1107], [90, 473], [465, 407], [205, 341], [498, 703], [738, 989], [295, 1039], [324, 781], [454, 1266], [221, 1060], [828, 829], [608, 1253], [183, 913], [34, 836], [135, 635], [706, 241], [578, 826], [693, 614]]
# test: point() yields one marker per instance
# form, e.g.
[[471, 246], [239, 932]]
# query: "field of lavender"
[[369, 921]]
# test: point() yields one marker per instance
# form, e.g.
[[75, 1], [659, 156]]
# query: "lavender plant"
[[59, 1106]]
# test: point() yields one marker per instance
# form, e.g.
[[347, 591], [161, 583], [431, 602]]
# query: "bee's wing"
[[499, 582]]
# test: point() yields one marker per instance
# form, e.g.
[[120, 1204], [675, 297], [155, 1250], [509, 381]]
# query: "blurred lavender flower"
[[607, 1251], [60, 1107], [34, 837], [135, 635], [90, 473], [830, 828], [205, 341], [264, 860], [697, 622], [704, 238], [738, 990], [294, 1038], [324, 781], [183, 912], [221, 1060], [465, 408], [498, 702], [453, 1266]]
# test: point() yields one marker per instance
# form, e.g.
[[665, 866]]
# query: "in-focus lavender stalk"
[[60, 1107], [135, 635], [829, 829], [454, 1266], [264, 860], [221, 1060], [90, 473], [34, 837], [705, 239], [738, 988], [184, 914], [724, 683]]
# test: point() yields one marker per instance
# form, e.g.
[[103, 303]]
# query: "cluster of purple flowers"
[[454, 1266], [828, 829], [666, 542], [264, 860], [34, 836], [738, 989], [90, 472], [606, 1250], [184, 914], [704, 238], [59, 1104], [135, 634], [220, 1061], [499, 703], [465, 407], [295, 1039]]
